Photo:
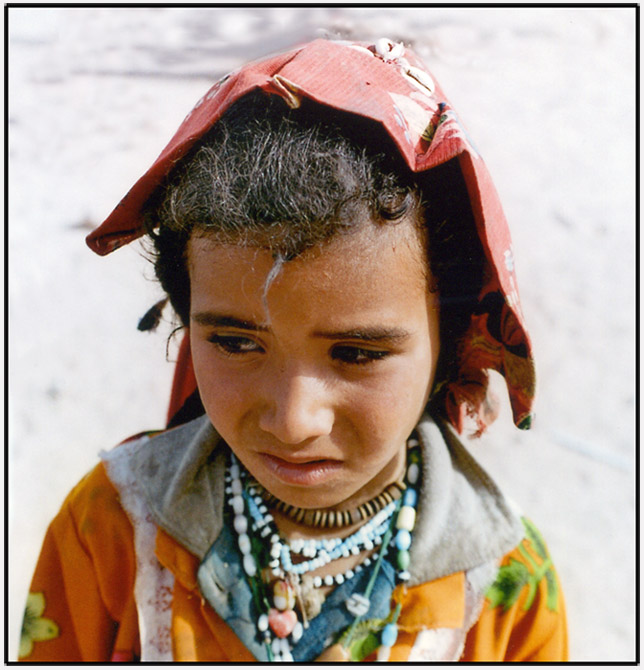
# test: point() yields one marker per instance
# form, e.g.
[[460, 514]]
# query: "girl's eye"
[[233, 345], [357, 355]]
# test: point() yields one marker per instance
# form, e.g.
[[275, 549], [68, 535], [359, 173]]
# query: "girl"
[[334, 248]]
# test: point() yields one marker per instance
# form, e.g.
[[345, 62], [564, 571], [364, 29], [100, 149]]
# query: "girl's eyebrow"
[[225, 320], [366, 334], [373, 334]]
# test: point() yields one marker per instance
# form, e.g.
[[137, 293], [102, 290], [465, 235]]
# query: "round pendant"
[[358, 605]]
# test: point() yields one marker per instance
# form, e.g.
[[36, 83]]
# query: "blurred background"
[[548, 94]]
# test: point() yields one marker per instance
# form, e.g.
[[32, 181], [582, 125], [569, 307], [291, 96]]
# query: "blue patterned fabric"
[[224, 585]]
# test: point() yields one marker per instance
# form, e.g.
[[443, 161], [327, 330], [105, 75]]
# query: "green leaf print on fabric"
[[362, 638], [35, 628], [509, 582], [512, 578], [363, 647], [365, 638]]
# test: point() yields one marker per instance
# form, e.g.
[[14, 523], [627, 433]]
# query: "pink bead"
[[282, 623]]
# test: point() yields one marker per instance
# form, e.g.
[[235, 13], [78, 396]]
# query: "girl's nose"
[[298, 408]]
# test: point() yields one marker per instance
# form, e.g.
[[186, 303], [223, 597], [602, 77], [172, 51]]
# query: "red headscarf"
[[385, 82]]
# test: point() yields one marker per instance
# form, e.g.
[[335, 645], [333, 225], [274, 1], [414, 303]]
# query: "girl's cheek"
[[226, 395]]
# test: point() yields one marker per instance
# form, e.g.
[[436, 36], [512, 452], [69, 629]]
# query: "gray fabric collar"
[[463, 519]]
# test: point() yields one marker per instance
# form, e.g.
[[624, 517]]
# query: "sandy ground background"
[[548, 95]]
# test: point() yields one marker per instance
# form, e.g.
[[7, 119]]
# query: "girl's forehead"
[[351, 269], [369, 245]]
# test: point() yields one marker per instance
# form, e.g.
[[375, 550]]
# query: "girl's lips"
[[309, 473]]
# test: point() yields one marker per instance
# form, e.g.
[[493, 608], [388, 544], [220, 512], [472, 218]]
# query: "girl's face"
[[317, 381]]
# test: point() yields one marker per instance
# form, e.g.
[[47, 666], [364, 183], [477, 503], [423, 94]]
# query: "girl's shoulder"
[[523, 616], [84, 578], [93, 503]]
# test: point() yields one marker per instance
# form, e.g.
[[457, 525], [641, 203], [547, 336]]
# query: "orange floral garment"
[[85, 580]]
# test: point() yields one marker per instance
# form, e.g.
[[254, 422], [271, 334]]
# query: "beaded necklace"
[[334, 518], [270, 561]]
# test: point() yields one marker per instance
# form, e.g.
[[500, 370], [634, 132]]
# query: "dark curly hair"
[[288, 179]]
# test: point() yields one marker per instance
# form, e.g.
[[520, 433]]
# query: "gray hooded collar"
[[463, 519]]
